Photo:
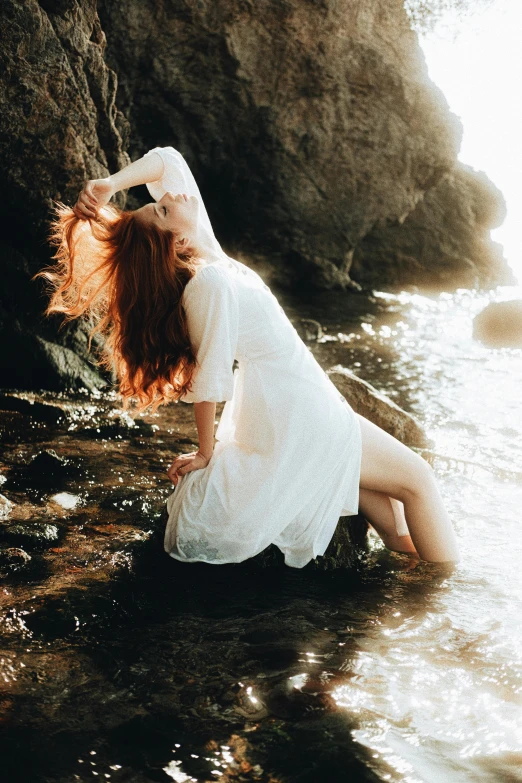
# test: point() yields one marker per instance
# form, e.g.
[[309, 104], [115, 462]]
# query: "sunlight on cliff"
[[478, 65]]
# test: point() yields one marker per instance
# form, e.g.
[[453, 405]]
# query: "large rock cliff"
[[318, 139], [59, 125]]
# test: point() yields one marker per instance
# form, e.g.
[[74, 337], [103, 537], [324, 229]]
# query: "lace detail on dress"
[[197, 547]]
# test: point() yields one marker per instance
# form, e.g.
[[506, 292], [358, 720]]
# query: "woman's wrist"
[[205, 414]]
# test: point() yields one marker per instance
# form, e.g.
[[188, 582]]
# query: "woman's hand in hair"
[[95, 194], [185, 463]]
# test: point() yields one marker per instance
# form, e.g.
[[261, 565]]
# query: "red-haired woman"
[[289, 455]]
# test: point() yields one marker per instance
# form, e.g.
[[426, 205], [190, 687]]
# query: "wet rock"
[[6, 506], [12, 559], [48, 469], [309, 329], [499, 325], [34, 535], [287, 701], [378, 408], [347, 543], [119, 429], [47, 412], [65, 369], [45, 472], [48, 464]]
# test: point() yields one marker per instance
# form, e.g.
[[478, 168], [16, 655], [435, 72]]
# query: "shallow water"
[[392, 672], [437, 683]]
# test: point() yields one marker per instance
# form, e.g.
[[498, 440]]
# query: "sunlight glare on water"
[[437, 685]]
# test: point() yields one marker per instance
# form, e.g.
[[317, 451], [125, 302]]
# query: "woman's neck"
[[205, 248]]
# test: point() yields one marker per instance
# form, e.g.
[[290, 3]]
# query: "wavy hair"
[[128, 278]]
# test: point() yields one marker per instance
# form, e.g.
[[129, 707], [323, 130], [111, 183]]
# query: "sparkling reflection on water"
[[195, 673], [438, 693]]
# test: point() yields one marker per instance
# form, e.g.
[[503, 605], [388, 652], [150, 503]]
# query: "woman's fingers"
[[87, 200], [183, 464], [81, 211], [87, 203], [94, 195], [90, 194], [176, 465], [84, 205]]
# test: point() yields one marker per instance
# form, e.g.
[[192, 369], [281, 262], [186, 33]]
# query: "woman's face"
[[179, 213]]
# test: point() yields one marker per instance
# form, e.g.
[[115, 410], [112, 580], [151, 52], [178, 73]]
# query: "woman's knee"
[[389, 466], [417, 479]]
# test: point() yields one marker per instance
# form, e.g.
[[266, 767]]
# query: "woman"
[[290, 456]]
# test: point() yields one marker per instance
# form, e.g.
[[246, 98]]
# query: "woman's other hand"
[[95, 194], [185, 463]]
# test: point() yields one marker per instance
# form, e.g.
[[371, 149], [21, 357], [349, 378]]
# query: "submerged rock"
[[44, 471], [499, 325], [13, 559], [47, 412], [286, 701], [378, 408], [31, 535]]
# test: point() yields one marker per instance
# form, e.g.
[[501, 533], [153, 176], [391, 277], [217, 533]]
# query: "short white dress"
[[286, 461], [287, 458]]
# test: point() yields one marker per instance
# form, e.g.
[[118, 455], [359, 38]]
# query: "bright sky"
[[478, 65]]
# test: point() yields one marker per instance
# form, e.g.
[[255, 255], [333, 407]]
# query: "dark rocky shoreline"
[[332, 171], [111, 646]]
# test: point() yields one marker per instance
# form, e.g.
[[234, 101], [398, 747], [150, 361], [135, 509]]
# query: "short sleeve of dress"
[[211, 307], [173, 178]]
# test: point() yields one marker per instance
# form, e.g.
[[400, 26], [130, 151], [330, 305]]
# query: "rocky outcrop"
[[317, 137], [366, 400], [444, 243], [499, 325], [308, 124], [59, 126]]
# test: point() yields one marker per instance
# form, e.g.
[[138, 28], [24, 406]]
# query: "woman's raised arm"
[[98, 192], [149, 168]]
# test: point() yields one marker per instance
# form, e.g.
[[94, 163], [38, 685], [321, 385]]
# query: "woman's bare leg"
[[391, 468], [377, 508]]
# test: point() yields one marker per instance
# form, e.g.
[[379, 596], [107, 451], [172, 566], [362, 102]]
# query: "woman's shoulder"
[[209, 274]]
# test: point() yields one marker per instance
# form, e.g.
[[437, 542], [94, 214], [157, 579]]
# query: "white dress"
[[286, 462]]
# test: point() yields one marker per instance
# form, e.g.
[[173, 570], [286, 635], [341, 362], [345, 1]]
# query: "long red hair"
[[127, 278]]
